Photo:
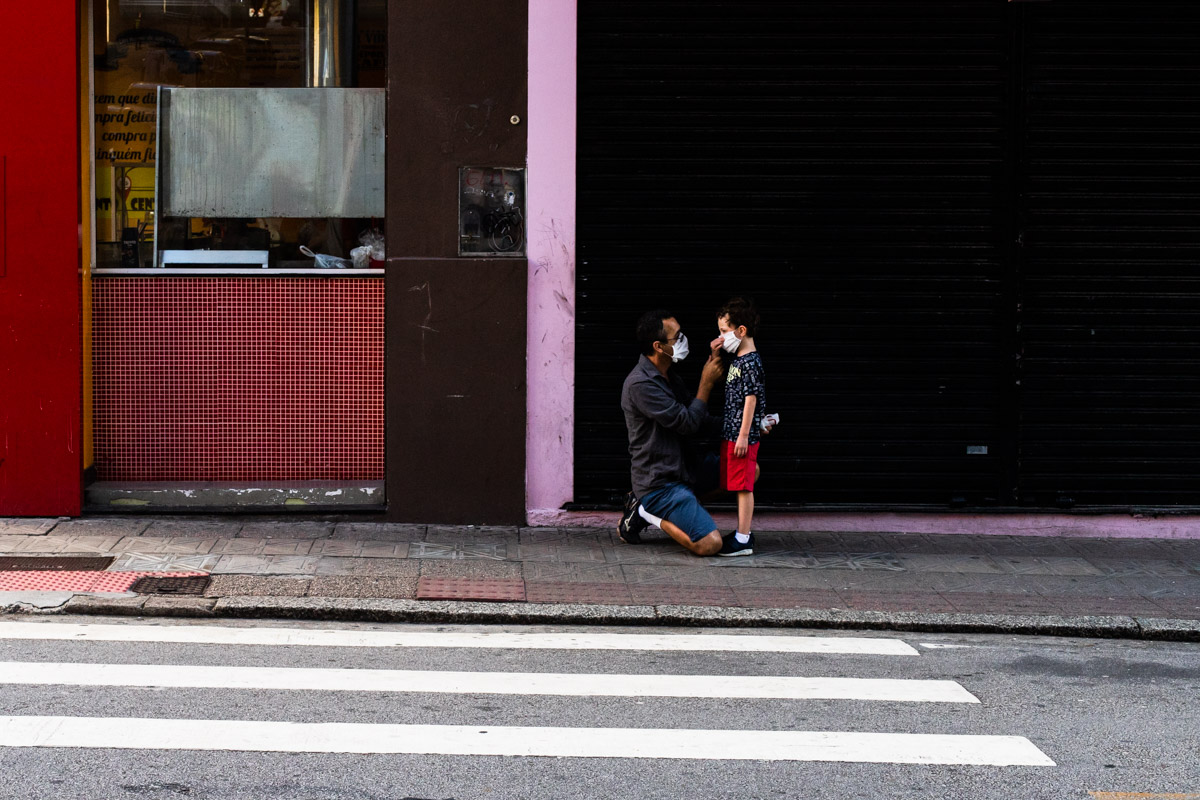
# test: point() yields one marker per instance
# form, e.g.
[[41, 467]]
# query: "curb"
[[352, 609]]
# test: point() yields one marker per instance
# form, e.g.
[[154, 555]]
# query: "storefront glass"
[[142, 45]]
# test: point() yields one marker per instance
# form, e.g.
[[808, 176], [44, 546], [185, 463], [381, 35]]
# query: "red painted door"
[[40, 329]]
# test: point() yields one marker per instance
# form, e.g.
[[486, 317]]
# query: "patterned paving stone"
[[931, 562], [458, 552], [1136, 568], [997, 603], [662, 554], [1028, 565], [25, 526], [651, 594], [164, 562], [156, 544], [553, 551], [337, 547], [674, 576], [1183, 608], [512, 590], [401, 588], [1017, 546], [256, 586], [102, 526], [93, 544], [475, 570], [43, 544], [381, 531], [239, 547], [1135, 549], [572, 573], [1074, 605], [193, 528], [9, 544], [266, 565], [925, 602], [583, 537], [471, 534], [768, 597], [384, 549], [329, 565], [780, 578], [587, 593], [297, 529]]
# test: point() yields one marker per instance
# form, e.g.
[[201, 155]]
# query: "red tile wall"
[[238, 379]]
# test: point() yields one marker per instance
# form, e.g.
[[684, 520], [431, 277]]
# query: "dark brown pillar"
[[455, 326]]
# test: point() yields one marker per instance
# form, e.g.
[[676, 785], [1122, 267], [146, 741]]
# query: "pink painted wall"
[[550, 369]]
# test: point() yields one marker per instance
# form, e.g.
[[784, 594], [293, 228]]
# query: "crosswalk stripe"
[[507, 683], [207, 634], [240, 735]]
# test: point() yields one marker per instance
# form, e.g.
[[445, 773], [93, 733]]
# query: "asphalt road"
[[1113, 716]]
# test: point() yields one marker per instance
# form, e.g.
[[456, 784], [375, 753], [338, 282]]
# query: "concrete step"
[[160, 497]]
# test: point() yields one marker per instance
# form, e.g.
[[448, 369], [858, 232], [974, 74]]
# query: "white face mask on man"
[[680, 351], [730, 342]]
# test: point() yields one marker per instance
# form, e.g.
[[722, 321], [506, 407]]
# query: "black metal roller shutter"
[[846, 164], [1111, 273]]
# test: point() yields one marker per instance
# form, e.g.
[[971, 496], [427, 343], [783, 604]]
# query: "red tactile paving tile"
[[494, 589], [588, 593], [649, 594], [42, 581]]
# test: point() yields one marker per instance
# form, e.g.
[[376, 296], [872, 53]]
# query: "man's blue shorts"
[[677, 503]]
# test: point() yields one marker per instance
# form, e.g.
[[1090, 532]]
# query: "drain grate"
[[194, 585], [54, 563]]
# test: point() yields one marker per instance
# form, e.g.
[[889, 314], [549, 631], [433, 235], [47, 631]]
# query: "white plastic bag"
[[370, 250], [324, 261]]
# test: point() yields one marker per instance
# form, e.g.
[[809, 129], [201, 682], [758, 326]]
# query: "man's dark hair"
[[741, 311], [650, 329]]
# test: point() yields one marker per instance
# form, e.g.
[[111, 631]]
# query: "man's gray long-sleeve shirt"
[[659, 412]]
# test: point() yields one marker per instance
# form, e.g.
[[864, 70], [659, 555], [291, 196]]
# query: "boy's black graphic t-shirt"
[[744, 378]]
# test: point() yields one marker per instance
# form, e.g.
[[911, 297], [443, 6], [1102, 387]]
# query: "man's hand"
[[741, 446], [715, 345]]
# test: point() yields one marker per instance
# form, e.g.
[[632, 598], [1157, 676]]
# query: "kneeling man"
[[659, 413]]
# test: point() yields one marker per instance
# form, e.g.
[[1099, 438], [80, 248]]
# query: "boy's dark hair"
[[650, 329], [741, 311]]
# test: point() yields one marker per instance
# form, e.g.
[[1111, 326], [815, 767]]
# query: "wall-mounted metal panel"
[[271, 152]]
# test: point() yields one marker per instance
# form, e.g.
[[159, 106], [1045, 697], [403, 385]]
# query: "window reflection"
[[144, 44]]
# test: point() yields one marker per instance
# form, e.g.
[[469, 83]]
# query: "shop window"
[[142, 46]]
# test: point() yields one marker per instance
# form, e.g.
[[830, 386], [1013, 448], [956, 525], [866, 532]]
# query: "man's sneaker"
[[631, 524], [731, 547]]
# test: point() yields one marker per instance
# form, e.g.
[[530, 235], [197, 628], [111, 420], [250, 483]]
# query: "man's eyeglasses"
[[675, 338]]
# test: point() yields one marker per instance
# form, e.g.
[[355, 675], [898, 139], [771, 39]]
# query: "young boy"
[[745, 409]]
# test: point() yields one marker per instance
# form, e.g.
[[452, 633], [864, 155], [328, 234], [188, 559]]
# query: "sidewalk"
[[306, 568]]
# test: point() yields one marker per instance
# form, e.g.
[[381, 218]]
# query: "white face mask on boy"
[[731, 342], [680, 351]]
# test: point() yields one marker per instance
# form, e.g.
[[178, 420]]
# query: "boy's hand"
[[741, 446], [713, 370]]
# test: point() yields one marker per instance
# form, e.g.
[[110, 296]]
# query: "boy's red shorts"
[[737, 474]]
